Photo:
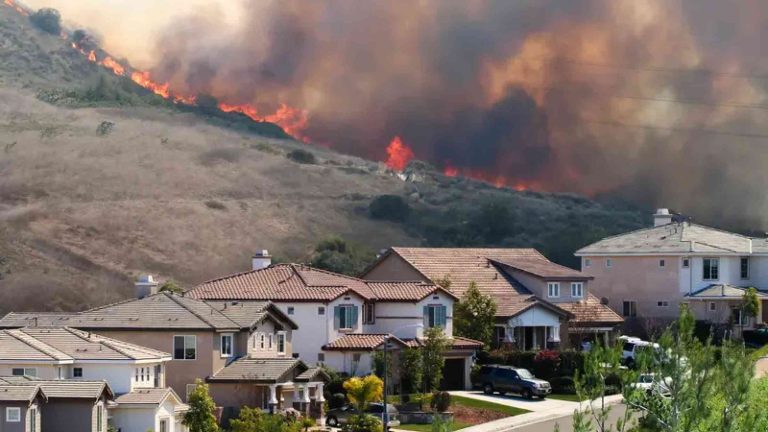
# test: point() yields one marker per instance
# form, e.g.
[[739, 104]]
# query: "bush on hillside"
[[47, 20], [302, 156], [389, 207], [337, 255]]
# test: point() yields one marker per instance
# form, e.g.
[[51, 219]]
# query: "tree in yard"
[[750, 305], [474, 316], [200, 417], [362, 391], [379, 362], [433, 357], [171, 287], [411, 371]]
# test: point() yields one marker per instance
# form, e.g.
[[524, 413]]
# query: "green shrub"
[[302, 156], [363, 423], [441, 424], [337, 400], [441, 401], [563, 385], [215, 205], [47, 20], [389, 207]]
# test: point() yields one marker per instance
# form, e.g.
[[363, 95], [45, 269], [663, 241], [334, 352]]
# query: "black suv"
[[508, 379]]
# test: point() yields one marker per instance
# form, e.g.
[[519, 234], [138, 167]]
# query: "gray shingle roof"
[[148, 396], [674, 238], [68, 345], [75, 389], [19, 392], [159, 311], [260, 370], [312, 374], [723, 291]]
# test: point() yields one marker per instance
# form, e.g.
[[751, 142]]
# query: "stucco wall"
[[236, 395], [134, 419], [20, 426], [540, 287], [405, 319], [343, 361], [69, 415], [44, 371], [639, 279]]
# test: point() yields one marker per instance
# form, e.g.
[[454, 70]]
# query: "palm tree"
[[362, 391]]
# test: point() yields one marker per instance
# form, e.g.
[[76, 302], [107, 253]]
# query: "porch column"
[[319, 397], [272, 397], [534, 345]]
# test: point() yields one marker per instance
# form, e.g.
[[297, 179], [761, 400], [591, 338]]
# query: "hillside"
[[92, 196]]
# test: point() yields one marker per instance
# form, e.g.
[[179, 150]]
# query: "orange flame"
[[112, 65], [11, 4], [450, 171], [499, 181], [92, 56], [142, 78], [399, 154], [293, 121]]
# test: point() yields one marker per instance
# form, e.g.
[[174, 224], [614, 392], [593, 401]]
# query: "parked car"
[[756, 338], [507, 379], [651, 383], [632, 347], [339, 416]]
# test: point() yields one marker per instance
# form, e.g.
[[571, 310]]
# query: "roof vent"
[[662, 217]]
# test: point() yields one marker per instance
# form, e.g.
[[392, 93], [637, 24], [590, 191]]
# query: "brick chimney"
[[146, 286], [662, 217], [261, 259]]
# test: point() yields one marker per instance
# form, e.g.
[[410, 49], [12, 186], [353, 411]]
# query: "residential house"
[[66, 405], [647, 273], [20, 407], [342, 320], [132, 371], [539, 303], [229, 344]]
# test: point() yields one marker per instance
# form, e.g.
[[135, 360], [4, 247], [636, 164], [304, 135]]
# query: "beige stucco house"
[[539, 303], [648, 273]]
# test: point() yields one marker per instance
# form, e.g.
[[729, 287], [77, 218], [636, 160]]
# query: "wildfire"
[[399, 154], [114, 66], [18, 8], [293, 121], [499, 181]]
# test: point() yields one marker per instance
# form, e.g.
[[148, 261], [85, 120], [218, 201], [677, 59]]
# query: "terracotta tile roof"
[[19, 392], [360, 342], [675, 238], [148, 396], [293, 282], [457, 343], [591, 311], [70, 389], [159, 311], [260, 370], [67, 345]]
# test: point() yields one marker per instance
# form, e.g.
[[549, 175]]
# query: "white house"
[[134, 373], [341, 318]]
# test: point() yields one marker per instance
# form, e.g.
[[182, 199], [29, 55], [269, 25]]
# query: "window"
[[261, 340], [577, 289], [711, 269], [662, 304], [345, 317], [184, 347], [686, 262], [190, 389], [13, 414], [587, 262], [291, 310], [712, 306], [163, 425], [630, 309], [662, 263], [369, 313], [355, 360], [33, 420], [434, 316], [281, 343], [270, 341], [321, 310], [320, 357], [745, 267], [99, 418], [137, 375], [30, 372], [60, 373], [608, 262], [553, 289], [77, 372], [736, 316], [226, 345]]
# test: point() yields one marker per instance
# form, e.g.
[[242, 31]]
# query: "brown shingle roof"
[[260, 370], [591, 311], [148, 396], [293, 282], [360, 342]]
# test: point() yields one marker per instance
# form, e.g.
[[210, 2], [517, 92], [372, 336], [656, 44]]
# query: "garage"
[[453, 374]]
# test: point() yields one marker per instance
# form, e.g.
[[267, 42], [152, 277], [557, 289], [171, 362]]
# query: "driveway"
[[533, 405]]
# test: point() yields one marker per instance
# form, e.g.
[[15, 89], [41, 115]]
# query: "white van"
[[631, 347]]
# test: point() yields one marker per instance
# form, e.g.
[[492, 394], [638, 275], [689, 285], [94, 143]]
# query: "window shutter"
[[353, 317], [443, 318], [426, 316], [336, 317]]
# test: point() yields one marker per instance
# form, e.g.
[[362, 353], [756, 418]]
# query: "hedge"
[[544, 364]]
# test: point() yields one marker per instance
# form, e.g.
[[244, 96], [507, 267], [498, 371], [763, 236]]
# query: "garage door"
[[453, 375]]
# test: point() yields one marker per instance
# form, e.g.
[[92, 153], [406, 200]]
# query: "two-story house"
[[539, 303], [647, 273], [342, 320], [132, 371], [242, 349]]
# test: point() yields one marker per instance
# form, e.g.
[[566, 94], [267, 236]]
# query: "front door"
[[528, 338]]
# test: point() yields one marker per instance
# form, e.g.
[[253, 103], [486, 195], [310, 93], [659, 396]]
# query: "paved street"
[[565, 422]]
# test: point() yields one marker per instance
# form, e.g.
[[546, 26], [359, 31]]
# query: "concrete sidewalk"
[[511, 423]]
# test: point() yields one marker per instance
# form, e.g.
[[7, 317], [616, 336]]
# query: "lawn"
[[565, 397]]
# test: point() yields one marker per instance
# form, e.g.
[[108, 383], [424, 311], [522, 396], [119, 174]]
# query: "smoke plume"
[[657, 101]]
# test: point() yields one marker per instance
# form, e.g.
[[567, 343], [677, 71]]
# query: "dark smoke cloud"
[[564, 95]]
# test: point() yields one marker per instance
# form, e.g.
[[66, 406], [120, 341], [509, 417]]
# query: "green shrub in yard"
[[563, 385], [441, 401], [302, 156], [546, 363], [363, 423]]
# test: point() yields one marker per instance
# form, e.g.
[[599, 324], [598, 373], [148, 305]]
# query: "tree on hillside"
[[47, 20], [474, 315], [433, 357], [171, 287], [337, 255], [389, 207], [200, 417]]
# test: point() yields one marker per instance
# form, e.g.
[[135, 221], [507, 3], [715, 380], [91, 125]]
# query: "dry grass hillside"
[[92, 195]]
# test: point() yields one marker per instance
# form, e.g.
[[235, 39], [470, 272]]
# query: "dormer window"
[[553, 289], [226, 345], [345, 317], [577, 289], [435, 316]]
